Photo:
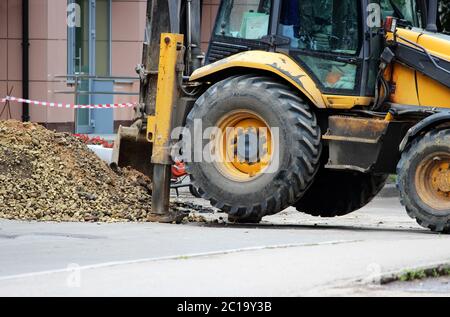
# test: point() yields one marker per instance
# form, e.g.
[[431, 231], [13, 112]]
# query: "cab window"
[[444, 16], [244, 19], [321, 25], [402, 9], [324, 34]]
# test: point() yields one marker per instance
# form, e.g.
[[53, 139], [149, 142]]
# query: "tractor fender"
[[425, 125], [279, 64]]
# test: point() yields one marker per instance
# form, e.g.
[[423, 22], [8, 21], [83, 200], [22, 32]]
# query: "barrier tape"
[[69, 106]]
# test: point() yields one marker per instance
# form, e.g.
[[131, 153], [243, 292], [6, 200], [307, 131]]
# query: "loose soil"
[[50, 176]]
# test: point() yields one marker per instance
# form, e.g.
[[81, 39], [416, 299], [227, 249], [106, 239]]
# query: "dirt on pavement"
[[50, 176]]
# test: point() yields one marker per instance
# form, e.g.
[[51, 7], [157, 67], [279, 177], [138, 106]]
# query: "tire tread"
[[305, 156]]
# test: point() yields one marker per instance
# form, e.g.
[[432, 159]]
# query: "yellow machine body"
[[428, 91], [160, 126], [285, 68], [412, 87]]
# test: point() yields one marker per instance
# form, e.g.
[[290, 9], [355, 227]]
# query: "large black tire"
[[299, 147], [338, 193], [430, 207]]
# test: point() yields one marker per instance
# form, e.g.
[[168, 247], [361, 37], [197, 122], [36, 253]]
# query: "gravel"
[[48, 176]]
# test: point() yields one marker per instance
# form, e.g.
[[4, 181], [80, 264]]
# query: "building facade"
[[102, 40]]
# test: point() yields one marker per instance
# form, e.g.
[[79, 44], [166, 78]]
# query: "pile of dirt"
[[50, 176]]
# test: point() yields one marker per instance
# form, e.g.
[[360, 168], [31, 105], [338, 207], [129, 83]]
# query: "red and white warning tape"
[[69, 106]]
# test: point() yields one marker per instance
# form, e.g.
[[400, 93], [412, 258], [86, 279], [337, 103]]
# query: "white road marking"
[[176, 257]]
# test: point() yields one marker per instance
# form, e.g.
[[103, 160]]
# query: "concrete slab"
[[288, 254]]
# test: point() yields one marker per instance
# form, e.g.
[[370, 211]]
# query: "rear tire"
[[424, 180], [194, 191], [299, 147], [338, 193]]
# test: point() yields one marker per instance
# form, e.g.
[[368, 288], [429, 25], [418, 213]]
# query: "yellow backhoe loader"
[[305, 103]]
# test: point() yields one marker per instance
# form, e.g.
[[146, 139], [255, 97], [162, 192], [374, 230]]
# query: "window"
[[324, 34], [332, 74], [245, 19], [402, 9], [444, 16], [326, 25], [89, 44]]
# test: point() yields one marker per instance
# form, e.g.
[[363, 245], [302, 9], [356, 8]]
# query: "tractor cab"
[[336, 41]]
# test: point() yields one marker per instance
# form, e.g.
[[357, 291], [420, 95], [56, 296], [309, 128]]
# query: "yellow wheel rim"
[[242, 146], [433, 181]]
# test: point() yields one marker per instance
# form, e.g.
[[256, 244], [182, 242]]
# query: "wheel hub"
[[244, 144], [433, 181], [441, 178], [248, 147]]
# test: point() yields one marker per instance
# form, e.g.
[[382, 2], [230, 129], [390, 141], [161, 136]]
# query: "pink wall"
[[10, 34], [48, 51], [128, 25], [209, 13]]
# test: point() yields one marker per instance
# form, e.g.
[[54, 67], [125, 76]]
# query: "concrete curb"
[[430, 271], [383, 279], [389, 191]]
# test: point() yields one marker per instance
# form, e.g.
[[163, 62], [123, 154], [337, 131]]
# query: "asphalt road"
[[289, 254]]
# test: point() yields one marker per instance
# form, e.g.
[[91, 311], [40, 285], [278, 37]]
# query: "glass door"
[[82, 63], [102, 119], [92, 57]]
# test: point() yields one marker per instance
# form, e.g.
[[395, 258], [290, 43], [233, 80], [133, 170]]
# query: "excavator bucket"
[[132, 149]]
